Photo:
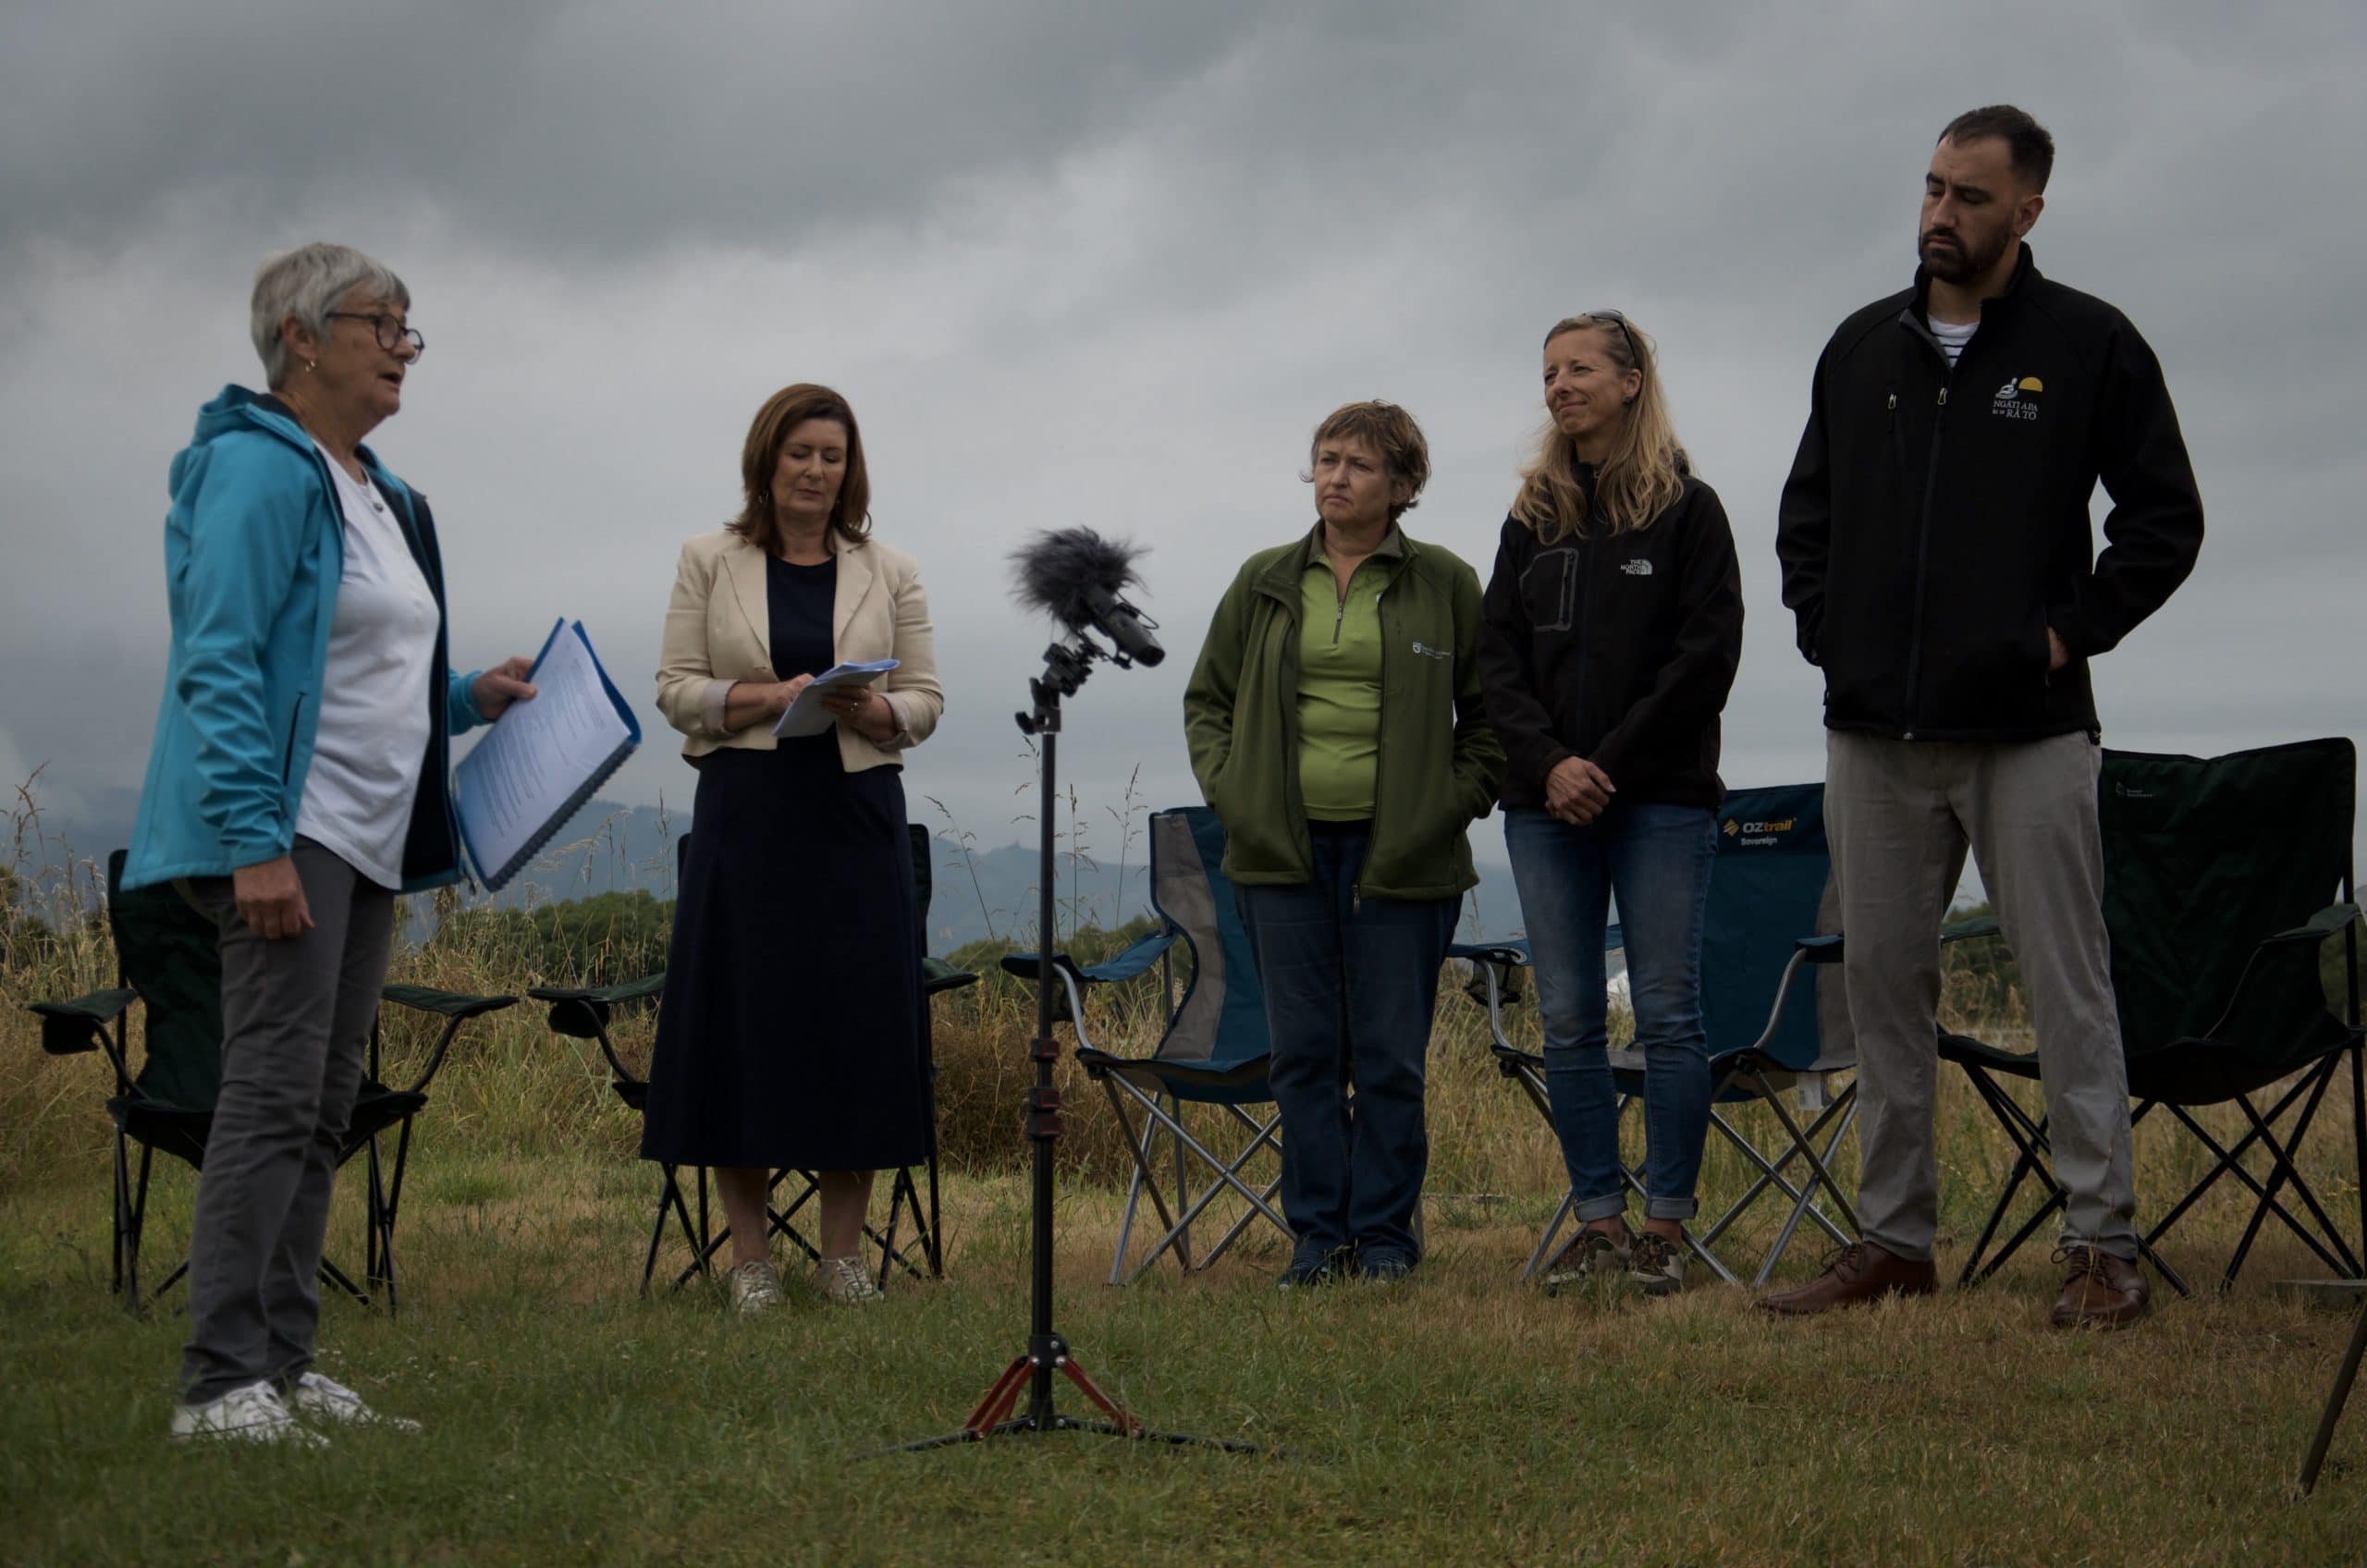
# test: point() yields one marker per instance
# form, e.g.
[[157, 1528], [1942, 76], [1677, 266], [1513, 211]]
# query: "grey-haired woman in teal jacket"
[[298, 781]]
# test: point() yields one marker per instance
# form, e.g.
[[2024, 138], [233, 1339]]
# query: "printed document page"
[[538, 754]]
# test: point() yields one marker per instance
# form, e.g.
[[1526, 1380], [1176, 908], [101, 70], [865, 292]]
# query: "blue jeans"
[[1350, 988], [1655, 860]]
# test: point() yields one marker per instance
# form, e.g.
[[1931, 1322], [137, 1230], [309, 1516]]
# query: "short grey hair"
[[307, 283]]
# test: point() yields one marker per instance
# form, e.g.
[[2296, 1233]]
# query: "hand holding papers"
[[541, 759], [806, 716]]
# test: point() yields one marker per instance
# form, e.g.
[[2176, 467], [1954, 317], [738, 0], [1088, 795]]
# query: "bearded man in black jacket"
[[1937, 555]]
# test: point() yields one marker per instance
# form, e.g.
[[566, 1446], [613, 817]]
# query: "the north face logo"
[[1635, 569]]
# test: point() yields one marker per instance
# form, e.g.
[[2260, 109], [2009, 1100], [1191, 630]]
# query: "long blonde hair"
[[1644, 473]]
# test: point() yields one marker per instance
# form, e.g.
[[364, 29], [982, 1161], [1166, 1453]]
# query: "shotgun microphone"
[[1080, 580]]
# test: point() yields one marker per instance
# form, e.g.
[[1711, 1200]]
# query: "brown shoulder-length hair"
[[782, 412]]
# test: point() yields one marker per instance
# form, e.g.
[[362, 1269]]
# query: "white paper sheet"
[[806, 716], [540, 758]]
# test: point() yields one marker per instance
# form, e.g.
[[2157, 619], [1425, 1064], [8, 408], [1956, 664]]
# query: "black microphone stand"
[[1066, 664]]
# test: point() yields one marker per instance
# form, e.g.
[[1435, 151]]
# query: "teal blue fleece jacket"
[[255, 548]]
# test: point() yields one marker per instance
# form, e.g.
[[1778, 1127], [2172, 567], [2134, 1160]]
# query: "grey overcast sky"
[[1108, 263]]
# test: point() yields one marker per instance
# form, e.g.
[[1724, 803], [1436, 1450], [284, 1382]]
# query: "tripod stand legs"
[[1047, 1354]]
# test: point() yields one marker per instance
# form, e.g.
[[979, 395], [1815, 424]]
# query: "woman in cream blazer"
[[793, 1031]]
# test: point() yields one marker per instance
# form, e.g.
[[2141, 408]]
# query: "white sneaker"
[[253, 1415], [323, 1399], [753, 1288], [846, 1280]]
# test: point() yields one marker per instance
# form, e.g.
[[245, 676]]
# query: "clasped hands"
[[1576, 791]]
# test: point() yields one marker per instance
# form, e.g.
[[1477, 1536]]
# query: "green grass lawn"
[[1458, 1419]]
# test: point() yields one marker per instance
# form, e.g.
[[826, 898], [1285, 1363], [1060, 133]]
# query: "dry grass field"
[[1462, 1417]]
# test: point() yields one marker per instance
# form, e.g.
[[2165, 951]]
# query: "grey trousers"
[[296, 1017], [1899, 815]]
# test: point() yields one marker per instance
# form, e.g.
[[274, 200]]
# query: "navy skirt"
[[794, 1031]]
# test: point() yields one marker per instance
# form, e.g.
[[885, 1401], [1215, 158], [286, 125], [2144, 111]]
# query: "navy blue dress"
[[794, 1031]]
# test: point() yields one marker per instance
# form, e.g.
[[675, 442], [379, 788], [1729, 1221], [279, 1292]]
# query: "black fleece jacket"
[[1617, 648], [1935, 522]]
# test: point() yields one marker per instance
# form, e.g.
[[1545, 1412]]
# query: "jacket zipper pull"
[[1944, 397], [1893, 404]]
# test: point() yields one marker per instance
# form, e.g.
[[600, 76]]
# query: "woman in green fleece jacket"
[[1335, 725]]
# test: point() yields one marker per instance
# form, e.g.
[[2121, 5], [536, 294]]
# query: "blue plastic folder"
[[542, 760]]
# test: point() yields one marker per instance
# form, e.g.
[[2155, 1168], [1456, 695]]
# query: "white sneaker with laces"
[[323, 1399], [753, 1288], [847, 1280], [254, 1415]]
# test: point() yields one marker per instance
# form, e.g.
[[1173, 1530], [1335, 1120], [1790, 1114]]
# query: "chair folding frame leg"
[[2029, 1136], [671, 1203], [2337, 1397], [1226, 1175], [1839, 1115]]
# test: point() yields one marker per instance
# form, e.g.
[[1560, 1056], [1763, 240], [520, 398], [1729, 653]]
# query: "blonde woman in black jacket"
[[1611, 628]]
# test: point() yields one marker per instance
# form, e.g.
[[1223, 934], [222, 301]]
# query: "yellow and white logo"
[[2018, 399]]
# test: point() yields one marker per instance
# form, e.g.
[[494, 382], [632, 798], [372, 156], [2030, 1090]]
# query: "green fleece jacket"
[[1439, 766]]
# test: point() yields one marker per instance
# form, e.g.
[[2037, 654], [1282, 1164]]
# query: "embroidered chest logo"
[[2018, 399], [1635, 569]]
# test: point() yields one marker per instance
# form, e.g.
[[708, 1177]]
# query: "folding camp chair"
[[1212, 1052], [2217, 874], [1770, 1026], [168, 957], [587, 1013]]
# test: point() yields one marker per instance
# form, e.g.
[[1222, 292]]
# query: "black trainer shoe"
[[1311, 1268]]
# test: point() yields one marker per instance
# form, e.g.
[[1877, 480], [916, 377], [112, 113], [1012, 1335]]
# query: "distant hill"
[[610, 846]]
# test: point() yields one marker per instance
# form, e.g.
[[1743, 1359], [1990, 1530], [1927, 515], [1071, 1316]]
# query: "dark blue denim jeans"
[[1655, 860], [1350, 987]]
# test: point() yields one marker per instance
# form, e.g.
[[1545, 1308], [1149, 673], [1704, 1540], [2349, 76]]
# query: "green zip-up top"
[[1438, 764]]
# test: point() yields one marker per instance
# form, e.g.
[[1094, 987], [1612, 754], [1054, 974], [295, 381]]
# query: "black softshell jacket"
[[1935, 523], [1619, 648]]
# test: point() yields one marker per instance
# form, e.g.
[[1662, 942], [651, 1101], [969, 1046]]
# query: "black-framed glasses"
[[391, 332], [1624, 331]]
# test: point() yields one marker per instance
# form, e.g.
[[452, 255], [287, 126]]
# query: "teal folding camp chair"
[[1772, 1007], [167, 958], [1212, 1054], [2224, 880], [587, 1012]]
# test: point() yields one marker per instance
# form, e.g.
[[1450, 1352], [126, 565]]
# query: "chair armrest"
[[581, 1013], [1030, 966], [938, 975], [1513, 952], [454, 1005], [1133, 961], [1970, 927], [2328, 921], [70, 1028], [1820, 949]]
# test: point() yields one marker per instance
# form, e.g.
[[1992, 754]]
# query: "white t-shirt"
[[1954, 336], [375, 719]]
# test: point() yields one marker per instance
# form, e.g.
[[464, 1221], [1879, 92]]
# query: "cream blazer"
[[718, 632]]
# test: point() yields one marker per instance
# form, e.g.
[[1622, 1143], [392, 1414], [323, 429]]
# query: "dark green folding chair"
[[2224, 880], [587, 1012], [167, 958]]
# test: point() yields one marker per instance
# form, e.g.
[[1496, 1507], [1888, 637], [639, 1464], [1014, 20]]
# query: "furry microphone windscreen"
[[1054, 572]]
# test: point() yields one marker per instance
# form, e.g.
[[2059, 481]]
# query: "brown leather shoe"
[[2099, 1290], [1859, 1273]]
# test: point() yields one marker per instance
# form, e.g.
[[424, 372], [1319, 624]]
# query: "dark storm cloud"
[[1104, 264]]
